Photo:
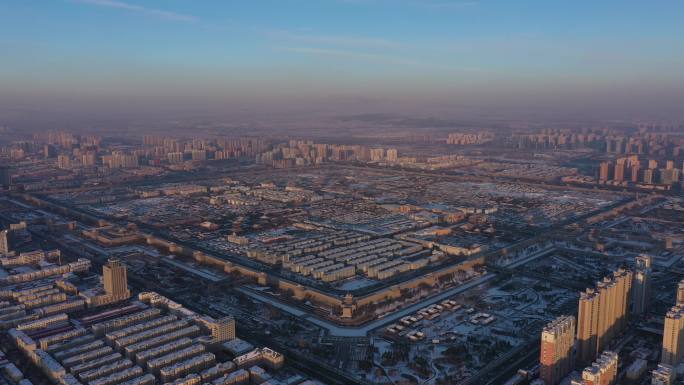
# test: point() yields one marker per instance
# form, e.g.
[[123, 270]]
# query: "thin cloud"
[[159, 13], [437, 4], [355, 55], [334, 40], [431, 4]]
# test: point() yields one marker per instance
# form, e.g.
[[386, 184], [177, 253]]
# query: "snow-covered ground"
[[457, 343], [361, 331]]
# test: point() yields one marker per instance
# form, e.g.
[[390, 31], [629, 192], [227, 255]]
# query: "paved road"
[[362, 331]]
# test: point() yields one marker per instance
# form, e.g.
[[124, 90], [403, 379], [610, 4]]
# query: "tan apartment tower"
[[673, 338], [680, 293], [603, 371], [115, 279], [602, 314], [587, 325], [557, 340], [641, 284]]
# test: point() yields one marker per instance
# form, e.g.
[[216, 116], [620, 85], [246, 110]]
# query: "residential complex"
[[602, 314], [366, 262]]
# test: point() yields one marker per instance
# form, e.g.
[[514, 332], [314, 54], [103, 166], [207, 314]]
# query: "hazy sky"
[[617, 55]]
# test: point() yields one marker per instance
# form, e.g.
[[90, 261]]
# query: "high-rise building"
[[680, 293], [673, 337], [49, 151], [223, 329], [623, 280], [88, 159], [115, 279], [641, 284], [587, 325], [120, 160], [557, 340], [604, 171], [175, 157], [603, 371], [64, 162], [602, 314], [669, 176], [649, 176], [377, 154], [634, 170], [199, 155], [6, 242], [392, 155], [663, 375], [620, 170], [5, 176]]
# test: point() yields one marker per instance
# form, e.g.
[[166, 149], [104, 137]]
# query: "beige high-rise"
[[223, 329], [115, 279], [603, 371], [623, 280], [602, 314], [557, 340], [587, 325], [673, 338], [680, 293], [6, 245], [641, 285]]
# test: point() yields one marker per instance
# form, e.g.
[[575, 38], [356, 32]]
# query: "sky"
[[619, 57]]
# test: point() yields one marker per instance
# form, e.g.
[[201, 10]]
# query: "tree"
[[365, 365]]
